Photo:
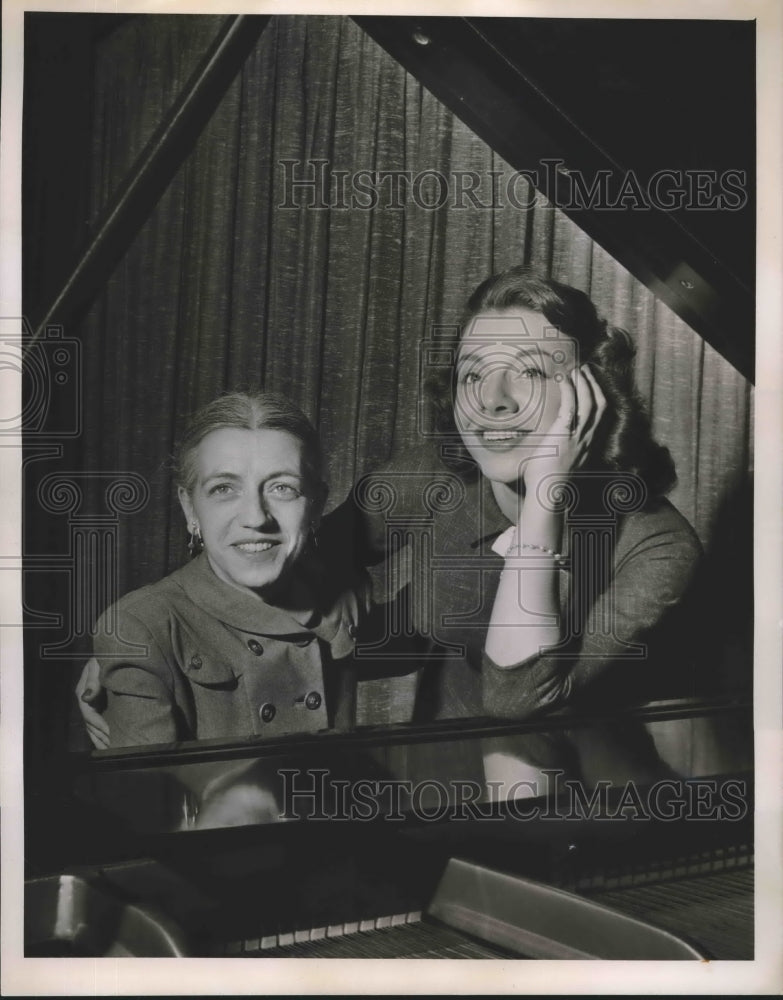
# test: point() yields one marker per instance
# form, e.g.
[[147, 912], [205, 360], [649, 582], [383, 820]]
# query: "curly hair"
[[626, 443]]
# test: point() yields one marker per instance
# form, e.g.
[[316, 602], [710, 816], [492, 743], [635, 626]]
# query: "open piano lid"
[[643, 108], [641, 131]]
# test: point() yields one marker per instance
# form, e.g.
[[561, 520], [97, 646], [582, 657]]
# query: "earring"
[[195, 541], [314, 536]]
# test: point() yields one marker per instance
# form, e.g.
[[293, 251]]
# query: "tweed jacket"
[[191, 657]]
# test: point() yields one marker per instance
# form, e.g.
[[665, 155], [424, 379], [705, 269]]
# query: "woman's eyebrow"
[[221, 475], [527, 352], [269, 475], [284, 472]]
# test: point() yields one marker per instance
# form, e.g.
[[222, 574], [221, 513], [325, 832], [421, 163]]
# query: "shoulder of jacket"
[[149, 603], [658, 523]]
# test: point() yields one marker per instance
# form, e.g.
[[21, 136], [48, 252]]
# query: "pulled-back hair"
[[245, 411], [626, 443]]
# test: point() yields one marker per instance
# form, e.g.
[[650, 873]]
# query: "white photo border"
[[763, 975]]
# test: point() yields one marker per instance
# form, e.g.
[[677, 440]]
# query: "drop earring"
[[195, 541]]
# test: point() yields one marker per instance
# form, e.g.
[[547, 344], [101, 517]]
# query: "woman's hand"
[[566, 445], [89, 694], [526, 613]]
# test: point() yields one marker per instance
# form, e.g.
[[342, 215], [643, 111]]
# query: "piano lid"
[[642, 131]]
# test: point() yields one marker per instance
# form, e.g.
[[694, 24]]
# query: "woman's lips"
[[253, 548], [499, 440]]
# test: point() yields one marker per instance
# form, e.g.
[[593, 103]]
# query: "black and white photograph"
[[393, 561]]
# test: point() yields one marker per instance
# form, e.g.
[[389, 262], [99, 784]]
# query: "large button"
[[267, 712], [196, 662], [313, 701], [255, 647], [304, 641]]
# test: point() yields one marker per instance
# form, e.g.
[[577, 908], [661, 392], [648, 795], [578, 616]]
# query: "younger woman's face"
[[510, 365]]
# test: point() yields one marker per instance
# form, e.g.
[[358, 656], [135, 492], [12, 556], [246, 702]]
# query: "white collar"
[[503, 542]]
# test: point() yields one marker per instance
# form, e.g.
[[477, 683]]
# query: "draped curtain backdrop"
[[226, 287]]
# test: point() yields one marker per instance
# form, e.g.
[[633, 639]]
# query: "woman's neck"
[[295, 591]]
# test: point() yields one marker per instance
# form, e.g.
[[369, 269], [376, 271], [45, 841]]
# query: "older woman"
[[252, 637]]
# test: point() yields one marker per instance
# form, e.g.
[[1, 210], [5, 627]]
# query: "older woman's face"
[[509, 368], [253, 504]]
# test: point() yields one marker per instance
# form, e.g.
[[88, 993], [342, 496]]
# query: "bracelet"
[[514, 549]]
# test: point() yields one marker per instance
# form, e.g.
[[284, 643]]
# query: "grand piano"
[[577, 837], [623, 835]]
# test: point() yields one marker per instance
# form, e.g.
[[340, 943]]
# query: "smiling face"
[[253, 504], [509, 368]]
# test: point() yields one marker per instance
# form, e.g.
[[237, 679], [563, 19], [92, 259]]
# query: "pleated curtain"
[[228, 286]]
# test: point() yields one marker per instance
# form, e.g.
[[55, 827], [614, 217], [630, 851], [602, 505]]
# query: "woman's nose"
[[256, 512], [496, 393]]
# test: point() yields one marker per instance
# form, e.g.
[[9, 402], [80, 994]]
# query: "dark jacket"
[[630, 562]]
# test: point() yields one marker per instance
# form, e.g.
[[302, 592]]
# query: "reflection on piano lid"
[[419, 772]]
